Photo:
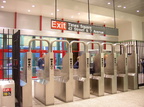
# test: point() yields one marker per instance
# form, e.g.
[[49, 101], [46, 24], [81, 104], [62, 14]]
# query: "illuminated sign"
[[58, 25], [79, 27]]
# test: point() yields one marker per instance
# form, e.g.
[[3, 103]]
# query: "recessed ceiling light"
[[138, 11], [58, 10], [28, 10], [119, 6], [2, 6], [124, 7], [108, 3], [51, 13], [78, 13], [4, 1], [33, 5], [72, 17]]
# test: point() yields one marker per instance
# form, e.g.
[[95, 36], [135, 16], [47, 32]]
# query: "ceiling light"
[[33, 5], [4, 1], [108, 3], [2, 6], [51, 13], [58, 10], [138, 11], [124, 7], [119, 6], [28, 10], [78, 13], [72, 17]]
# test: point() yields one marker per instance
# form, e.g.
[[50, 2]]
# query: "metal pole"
[[114, 13], [55, 9], [88, 13]]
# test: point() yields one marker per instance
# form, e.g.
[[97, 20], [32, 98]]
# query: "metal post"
[[88, 13], [55, 9], [114, 13]]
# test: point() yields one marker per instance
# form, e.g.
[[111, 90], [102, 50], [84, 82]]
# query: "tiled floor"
[[132, 98]]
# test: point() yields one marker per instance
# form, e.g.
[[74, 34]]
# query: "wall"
[[134, 30], [30, 25]]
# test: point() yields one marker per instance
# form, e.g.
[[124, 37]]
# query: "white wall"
[[125, 31], [27, 22], [134, 30], [6, 19]]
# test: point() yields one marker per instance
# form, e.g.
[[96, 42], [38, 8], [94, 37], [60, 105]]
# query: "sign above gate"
[[71, 26]]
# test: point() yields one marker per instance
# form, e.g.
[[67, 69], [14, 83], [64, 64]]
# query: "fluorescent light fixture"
[[2, 6], [124, 7], [78, 13], [51, 13], [72, 16], [33, 5], [119, 6], [4, 1], [108, 3], [138, 11], [28, 10]]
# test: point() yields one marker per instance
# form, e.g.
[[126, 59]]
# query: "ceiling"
[[135, 7], [47, 8]]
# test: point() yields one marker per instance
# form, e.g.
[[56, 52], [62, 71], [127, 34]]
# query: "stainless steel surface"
[[37, 40], [109, 69], [64, 82], [132, 71], [122, 77], [122, 71], [82, 85], [97, 80], [110, 79], [44, 87], [27, 88], [110, 76], [84, 44]]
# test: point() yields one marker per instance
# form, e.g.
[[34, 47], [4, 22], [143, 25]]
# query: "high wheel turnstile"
[[44, 85], [122, 71], [97, 79], [64, 81], [110, 74], [81, 80], [132, 69]]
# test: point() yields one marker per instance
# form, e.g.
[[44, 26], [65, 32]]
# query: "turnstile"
[[64, 81], [26, 81], [44, 85], [97, 78], [110, 74], [81, 80], [122, 75], [7, 93], [132, 69]]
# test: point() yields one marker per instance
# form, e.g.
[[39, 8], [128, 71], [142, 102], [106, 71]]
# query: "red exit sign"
[[6, 89], [58, 25]]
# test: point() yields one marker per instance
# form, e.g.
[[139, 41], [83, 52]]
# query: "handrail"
[[60, 41], [77, 42], [37, 40], [88, 43]]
